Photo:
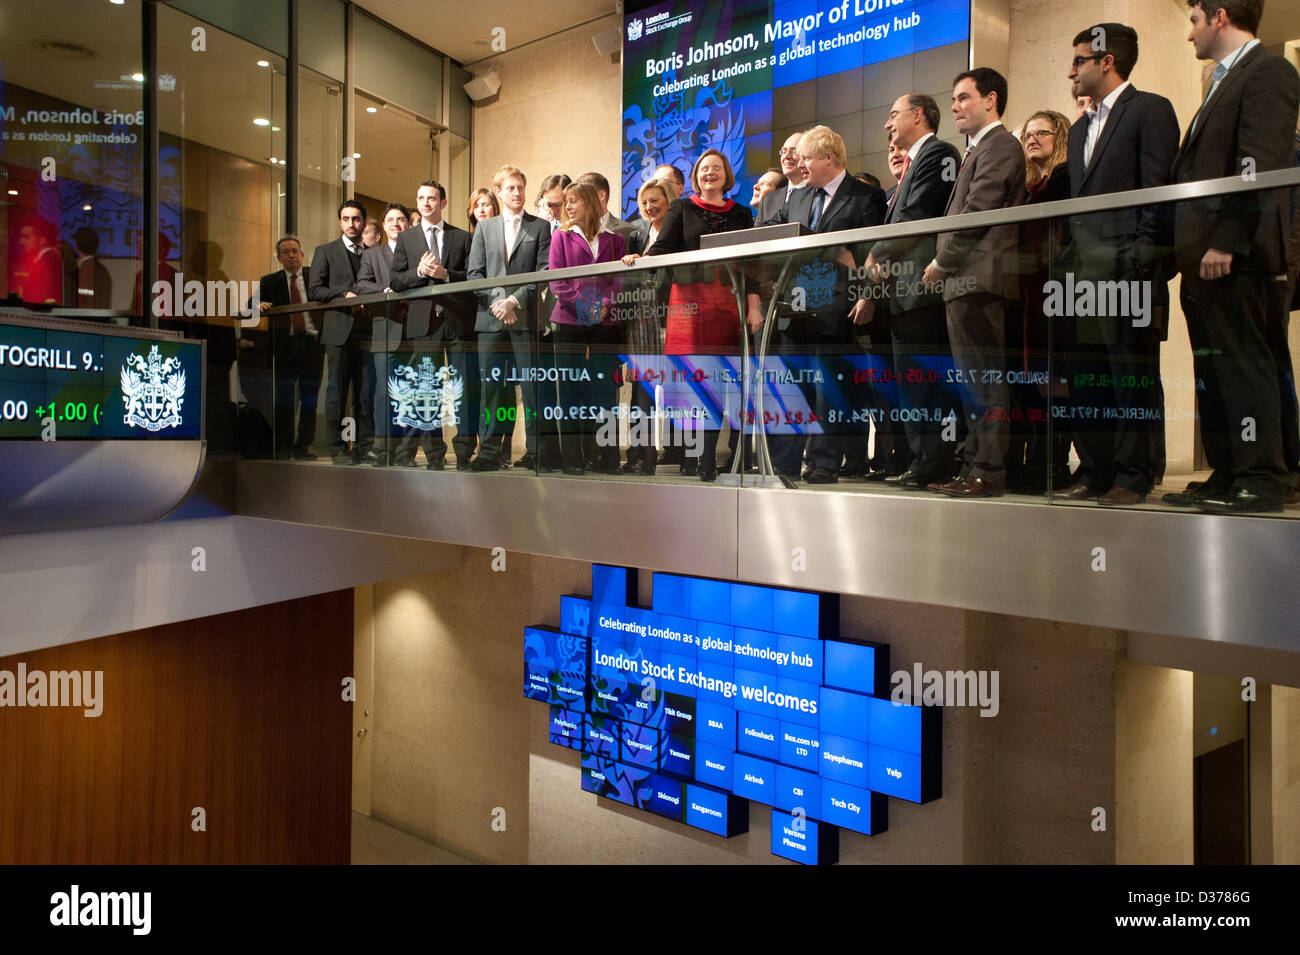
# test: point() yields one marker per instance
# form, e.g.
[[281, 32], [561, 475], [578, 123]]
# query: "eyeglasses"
[[787, 151], [1080, 60], [1040, 134]]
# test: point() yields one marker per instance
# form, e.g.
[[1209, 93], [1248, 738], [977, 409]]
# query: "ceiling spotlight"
[[13, 192], [138, 77], [263, 63], [87, 207], [273, 159], [281, 162], [117, 3], [356, 155], [261, 122], [372, 109], [275, 129]]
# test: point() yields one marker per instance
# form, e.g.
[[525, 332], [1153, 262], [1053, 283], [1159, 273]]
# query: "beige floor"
[[376, 843]]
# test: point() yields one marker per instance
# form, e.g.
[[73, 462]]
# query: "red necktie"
[[298, 322]]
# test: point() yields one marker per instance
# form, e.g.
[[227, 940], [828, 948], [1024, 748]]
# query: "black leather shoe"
[[436, 464], [823, 476], [854, 471], [527, 462], [708, 475], [1192, 496], [690, 467], [876, 474], [968, 487], [909, 479], [481, 464], [462, 464], [1239, 500]]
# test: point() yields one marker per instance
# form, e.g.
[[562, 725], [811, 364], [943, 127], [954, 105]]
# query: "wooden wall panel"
[[240, 714]]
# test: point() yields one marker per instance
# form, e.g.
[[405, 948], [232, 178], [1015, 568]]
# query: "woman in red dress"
[[702, 315]]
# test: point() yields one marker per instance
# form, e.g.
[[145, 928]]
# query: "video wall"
[[738, 75], [719, 694]]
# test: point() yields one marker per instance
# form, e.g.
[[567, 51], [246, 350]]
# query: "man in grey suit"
[[608, 220], [512, 243], [919, 324], [334, 268], [978, 271], [385, 331]]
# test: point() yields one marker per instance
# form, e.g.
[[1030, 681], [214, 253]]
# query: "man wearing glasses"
[[775, 200], [1126, 139]]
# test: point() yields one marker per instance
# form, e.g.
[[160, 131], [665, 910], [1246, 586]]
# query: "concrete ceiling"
[[466, 35]]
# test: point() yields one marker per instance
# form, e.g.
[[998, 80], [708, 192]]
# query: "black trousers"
[[1236, 381], [298, 363], [347, 370], [1279, 323], [924, 402]]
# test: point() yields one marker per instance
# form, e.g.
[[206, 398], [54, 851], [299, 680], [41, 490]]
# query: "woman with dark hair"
[[1045, 139], [585, 334], [483, 204], [702, 312]]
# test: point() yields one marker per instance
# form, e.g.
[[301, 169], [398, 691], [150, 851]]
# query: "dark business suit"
[[826, 330], [770, 206], [498, 343], [333, 273], [297, 357], [918, 321], [442, 327], [1134, 151], [1247, 123], [982, 276], [385, 334]]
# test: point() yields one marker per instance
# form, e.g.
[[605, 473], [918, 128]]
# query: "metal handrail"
[[1156, 195]]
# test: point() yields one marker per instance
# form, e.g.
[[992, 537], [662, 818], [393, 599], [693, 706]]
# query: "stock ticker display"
[[720, 694], [74, 385]]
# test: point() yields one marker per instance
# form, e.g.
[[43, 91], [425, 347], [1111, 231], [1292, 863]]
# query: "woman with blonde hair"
[[1045, 138], [643, 329]]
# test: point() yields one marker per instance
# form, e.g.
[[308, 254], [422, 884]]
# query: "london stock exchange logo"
[[153, 390], [634, 30], [425, 397]]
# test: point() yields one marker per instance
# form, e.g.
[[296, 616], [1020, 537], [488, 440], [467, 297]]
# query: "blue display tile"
[[804, 841]]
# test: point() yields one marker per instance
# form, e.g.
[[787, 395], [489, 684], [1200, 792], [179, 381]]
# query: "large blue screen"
[[703, 73], [720, 693]]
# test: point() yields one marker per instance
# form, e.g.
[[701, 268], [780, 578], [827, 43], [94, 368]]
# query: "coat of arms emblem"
[[153, 390], [425, 397], [634, 30]]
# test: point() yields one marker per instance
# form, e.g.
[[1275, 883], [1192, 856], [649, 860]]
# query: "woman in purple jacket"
[[586, 338]]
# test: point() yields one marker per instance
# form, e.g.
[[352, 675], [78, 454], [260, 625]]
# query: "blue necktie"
[[819, 201]]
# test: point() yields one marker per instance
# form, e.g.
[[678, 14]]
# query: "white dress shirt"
[[1098, 113]]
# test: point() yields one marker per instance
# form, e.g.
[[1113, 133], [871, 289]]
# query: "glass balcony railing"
[[1067, 353]]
